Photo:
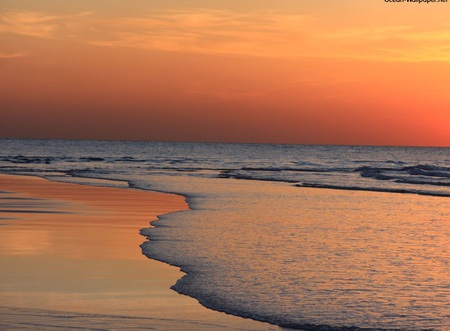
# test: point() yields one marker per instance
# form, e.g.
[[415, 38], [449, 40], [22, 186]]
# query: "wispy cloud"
[[34, 24], [391, 43], [254, 33], [224, 93], [274, 35], [11, 55], [206, 31]]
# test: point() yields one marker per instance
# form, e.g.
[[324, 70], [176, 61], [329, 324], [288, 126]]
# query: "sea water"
[[308, 237]]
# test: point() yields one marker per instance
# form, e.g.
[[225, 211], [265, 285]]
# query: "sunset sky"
[[274, 71]]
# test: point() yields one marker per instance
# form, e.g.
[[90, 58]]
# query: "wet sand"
[[70, 258]]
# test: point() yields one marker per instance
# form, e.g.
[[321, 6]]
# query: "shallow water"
[[256, 245], [310, 257]]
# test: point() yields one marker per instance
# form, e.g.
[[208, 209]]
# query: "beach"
[[70, 259], [309, 237], [235, 165]]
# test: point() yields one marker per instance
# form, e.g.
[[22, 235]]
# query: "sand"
[[71, 259]]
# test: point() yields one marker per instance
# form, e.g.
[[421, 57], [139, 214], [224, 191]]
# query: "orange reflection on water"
[[77, 221], [75, 247]]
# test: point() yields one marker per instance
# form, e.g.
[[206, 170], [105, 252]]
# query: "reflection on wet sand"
[[66, 247], [71, 246]]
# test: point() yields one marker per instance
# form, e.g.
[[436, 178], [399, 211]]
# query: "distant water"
[[266, 237]]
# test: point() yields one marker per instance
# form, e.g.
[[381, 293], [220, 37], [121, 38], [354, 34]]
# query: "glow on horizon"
[[304, 72]]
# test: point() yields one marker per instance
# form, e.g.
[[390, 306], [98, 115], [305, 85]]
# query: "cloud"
[[391, 43], [12, 55], [34, 24], [205, 31], [224, 93], [253, 33], [268, 34]]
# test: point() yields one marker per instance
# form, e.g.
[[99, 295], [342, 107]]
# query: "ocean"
[[301, 236]]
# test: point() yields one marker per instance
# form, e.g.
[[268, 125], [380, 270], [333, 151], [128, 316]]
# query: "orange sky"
[[282, 71]]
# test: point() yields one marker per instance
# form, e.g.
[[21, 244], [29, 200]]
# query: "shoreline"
[[75, 248]]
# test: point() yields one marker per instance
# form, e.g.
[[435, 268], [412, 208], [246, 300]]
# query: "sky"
[[276, 71]]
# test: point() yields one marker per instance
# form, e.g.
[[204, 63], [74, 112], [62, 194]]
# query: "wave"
[[228, 174], [374, 189], [21, 159], [27, 159], [318, 327], [318, 169], [416, 170], [390, 175]]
